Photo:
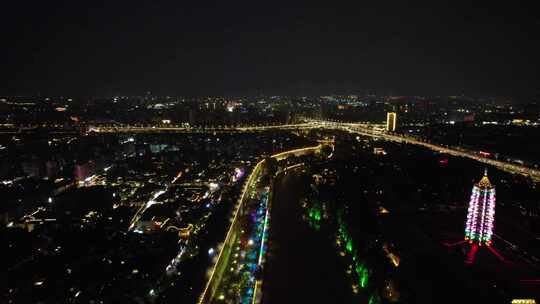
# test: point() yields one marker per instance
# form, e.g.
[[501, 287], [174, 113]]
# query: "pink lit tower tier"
[[481, 213]]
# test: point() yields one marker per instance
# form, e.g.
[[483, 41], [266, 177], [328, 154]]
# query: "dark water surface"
[[303, 266]]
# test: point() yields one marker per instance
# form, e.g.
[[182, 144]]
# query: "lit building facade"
[[391, 120], [481, 213]]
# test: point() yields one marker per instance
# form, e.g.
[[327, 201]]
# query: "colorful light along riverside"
[[481, 213], [360, 269]]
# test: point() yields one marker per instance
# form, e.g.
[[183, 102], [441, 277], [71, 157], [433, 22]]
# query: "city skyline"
[[221, 203], [259, 153]]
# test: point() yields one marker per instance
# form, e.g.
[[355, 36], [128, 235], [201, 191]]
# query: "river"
[[303, 265]]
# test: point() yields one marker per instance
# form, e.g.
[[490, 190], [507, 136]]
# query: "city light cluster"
[[481, 213]]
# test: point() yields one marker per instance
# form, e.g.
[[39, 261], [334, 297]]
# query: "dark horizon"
[[247, 49]]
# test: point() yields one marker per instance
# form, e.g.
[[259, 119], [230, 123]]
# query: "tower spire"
[[484, 181]]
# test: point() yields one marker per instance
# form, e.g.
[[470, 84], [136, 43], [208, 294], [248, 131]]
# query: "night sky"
[[264, 47]]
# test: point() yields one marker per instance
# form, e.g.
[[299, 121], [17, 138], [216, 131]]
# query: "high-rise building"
[[481, 213], [391, 120]]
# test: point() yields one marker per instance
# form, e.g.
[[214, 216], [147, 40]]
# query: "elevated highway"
[[371, 130], [184, 129]]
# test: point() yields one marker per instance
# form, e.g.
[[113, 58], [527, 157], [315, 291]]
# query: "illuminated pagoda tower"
[[481, 213]]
